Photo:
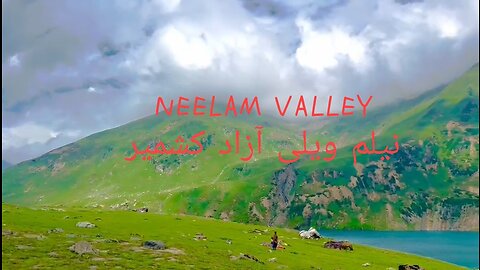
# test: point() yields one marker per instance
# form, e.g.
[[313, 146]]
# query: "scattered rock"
[[56, 230], [34, 236], [71, 235], [112, 241], [23, 247], [85, 224], [200, 236], [259, 232], [366, 264], [229, 241], [8, 233], [155, 245], [410, 267], [174, 251], [53, 254], [83, 248], [245, 257], [137, 249], [272, 260], [98, 259], [135, 237]]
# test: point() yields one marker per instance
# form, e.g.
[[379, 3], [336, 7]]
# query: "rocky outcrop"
[[280, 197], [155, 245], [83, 248]]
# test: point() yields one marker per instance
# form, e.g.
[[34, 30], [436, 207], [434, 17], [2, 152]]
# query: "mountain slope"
[[28, 242], [432, 183]]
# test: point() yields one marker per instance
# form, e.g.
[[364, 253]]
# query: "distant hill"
[[5, 164], [430, 184]]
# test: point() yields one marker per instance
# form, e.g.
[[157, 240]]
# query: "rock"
[[85, 224], [154, 245], [200, 236], [8, 233], [34, 236], [23, 247], [173, 251], [56, 230], [137, 249], [410, 267], [272, 260], [142, 210], [53, 254], [112, 241], [82, 248], [249, 257], [366, 264], [258, 231]]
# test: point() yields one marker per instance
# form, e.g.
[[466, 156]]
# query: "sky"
[[74, 68]]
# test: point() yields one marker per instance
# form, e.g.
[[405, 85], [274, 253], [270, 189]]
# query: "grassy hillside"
[[430, 184], [118, 237]]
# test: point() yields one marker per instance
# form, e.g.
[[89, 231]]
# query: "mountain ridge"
[[432, 183]]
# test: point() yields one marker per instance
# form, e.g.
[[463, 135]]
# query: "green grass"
[[115, 229]]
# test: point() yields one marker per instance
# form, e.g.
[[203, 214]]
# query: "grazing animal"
[[341, 245], [409, 267]]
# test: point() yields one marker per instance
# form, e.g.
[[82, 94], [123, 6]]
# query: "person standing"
[[274, 241]]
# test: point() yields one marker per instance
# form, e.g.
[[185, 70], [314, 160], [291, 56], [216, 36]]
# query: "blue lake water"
[[460, 248]]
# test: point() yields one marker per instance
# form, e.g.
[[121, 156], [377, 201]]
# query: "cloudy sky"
[[73, 68]]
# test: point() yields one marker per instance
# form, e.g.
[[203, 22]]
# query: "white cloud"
[[133, 51], [14, 61], [324, 50], [189, 52], [167, 5], [26, 134]]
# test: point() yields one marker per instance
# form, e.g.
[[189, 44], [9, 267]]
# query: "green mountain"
[[5, 164], [430, 184]]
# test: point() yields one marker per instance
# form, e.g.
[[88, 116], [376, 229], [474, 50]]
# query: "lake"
[[460, 248]]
